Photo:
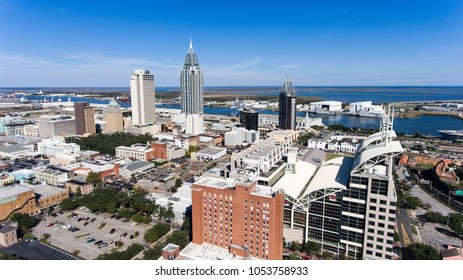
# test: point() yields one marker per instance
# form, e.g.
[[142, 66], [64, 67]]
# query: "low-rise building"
[[141, 152], [51, 175], [166, 149], [143, 129], [180, 202], [17, 199], [16, 151], [8, 236], [31, 130], [135, 168], [47, 195], [6, 179], [211, 153], [103, 168], [240, 136], [56, 146], [74, 183]]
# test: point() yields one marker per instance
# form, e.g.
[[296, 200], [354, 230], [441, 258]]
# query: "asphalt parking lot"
[[36, 250], [72, 241]]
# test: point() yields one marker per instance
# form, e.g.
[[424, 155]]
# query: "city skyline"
[[84, 44]]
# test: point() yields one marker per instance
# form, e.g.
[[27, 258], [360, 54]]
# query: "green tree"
[[156, 232], [128, 254], [94, 178], [137, 218], [312, 248], [413, 202], [124, 213], [178, 183], [456, 222], [68, 204], [419, 251], [295, 246], [180, 238], [327, 255], [436, 217], [154, 253], [294, 256], [7, 257], [25, 222], [78, 193]]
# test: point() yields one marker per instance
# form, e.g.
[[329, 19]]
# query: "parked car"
[[132, 236], [98, 242], [90, 240], [92, 220], [50, 225], [85, 224], [113, 230], [103, 245], [125, 221], [134, 223], [124, 234]]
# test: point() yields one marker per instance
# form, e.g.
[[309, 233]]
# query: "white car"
[[134, 223]]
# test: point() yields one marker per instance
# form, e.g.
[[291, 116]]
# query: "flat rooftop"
[[10, 191], [14, 149], [135, 148], [215, 183], [45, 190], [211, 151], [206, 252]]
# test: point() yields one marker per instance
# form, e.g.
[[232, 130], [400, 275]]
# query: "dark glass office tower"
[[287, 104], [249, 119]]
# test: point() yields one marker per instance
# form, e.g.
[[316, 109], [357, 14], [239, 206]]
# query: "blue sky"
[[317, 43]]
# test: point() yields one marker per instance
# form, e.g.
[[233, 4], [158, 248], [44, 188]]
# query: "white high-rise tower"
[[191, 84], [142, 97]]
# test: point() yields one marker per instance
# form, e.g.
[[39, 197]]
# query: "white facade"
[[178, 140], [51, 176], [330, 106], [240, 136], [138, 151], [211, 153], [58, 125], [53, 147], [31, 130], [16, 151], [142, 129], [365, 108], [180, 201], [178, 118], [142, 97], [194, 124]]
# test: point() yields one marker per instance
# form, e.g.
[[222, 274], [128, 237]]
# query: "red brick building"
[[242, 217], [159, 149]]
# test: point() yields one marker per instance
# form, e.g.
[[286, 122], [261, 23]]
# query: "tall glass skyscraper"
[[191, 84], [287, 104]]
